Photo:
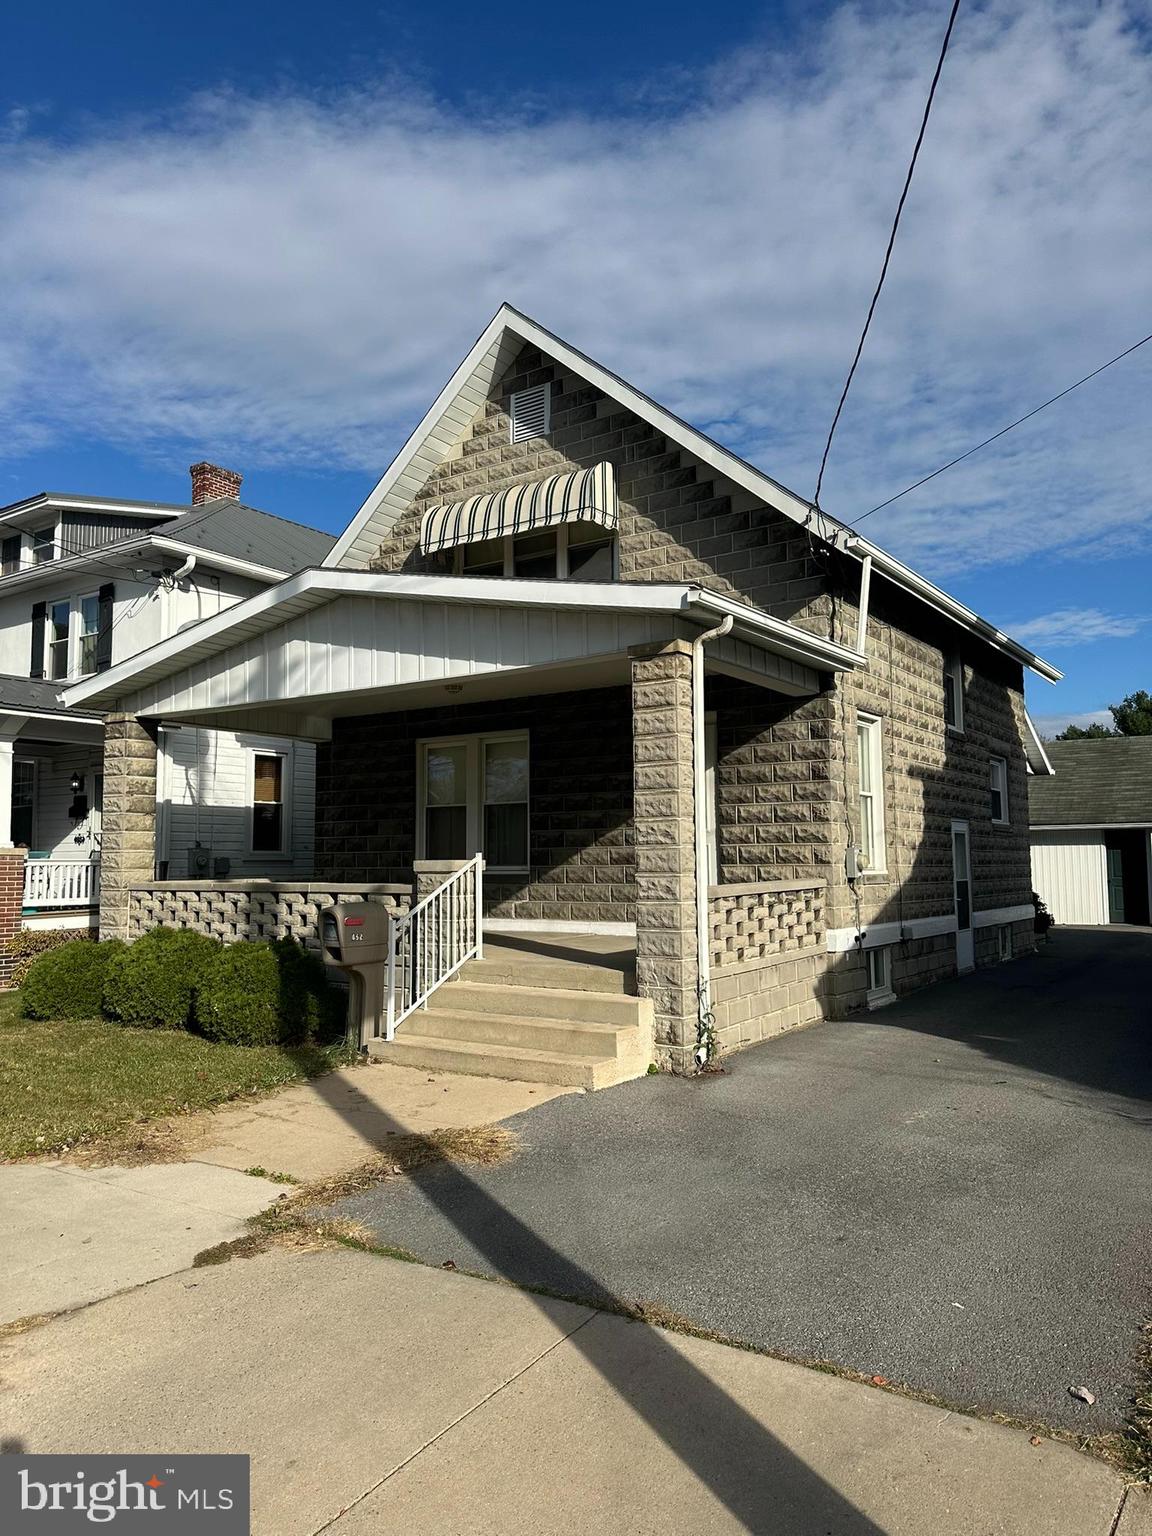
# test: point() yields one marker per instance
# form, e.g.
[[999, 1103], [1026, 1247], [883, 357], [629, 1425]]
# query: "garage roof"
[[1106, 782]]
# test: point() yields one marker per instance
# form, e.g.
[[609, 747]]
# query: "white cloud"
[[1076, 626], [1051, 725], [291, 280]]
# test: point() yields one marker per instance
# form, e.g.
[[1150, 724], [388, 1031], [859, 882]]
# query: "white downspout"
[[862, 612], [705, 1038]]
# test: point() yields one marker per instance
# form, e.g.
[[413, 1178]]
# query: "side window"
[[998, 790], [268, 822], [44, 544], [869, 750], [89, 619], [954, 692], [59, 619]]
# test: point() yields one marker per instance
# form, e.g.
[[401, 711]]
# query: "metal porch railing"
[[429, 943]]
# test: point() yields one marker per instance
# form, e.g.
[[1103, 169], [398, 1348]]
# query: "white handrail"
[[432, 940], [61, 883]]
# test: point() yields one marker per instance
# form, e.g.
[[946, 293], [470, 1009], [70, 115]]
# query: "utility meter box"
[[354, 938]]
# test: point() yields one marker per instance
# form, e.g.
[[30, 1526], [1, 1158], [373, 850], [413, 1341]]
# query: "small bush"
[[150, 984], [1043, 919], [267, 994], [30, 942], [67, 982]]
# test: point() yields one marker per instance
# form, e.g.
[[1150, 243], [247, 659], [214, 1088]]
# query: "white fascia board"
[[67, 503], [1038, 749], [233, 563], [721, 459], [71, 716], [310, 588], [116, 552]]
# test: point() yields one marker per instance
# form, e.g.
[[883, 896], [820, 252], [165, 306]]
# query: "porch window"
[[998, 790], [59, 619], [267, 803], [89, 624], [23, 800], [474, 793], [869, 750]]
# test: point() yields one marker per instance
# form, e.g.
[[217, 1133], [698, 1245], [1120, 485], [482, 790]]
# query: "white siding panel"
[[203, 793], [54, 833], [1069, 870]]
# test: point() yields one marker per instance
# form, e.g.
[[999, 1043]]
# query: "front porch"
[[621, 779]]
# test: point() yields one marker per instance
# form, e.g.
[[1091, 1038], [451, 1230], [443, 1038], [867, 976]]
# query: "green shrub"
[[267, 994], [30, 942], [67, 982], [150, 984]]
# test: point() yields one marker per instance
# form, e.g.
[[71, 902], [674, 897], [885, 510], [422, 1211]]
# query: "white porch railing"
[[58, 883], [430, 943]]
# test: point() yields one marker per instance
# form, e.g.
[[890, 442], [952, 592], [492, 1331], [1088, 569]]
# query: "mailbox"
[[354, 938]]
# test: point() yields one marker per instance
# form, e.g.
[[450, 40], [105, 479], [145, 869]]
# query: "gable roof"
[[465, 394], [1102, 783], [245, 533]]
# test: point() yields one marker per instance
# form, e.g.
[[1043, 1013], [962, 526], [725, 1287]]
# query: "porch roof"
[[327, 643]]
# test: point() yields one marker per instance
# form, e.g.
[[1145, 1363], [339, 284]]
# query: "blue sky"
[[266, 233]]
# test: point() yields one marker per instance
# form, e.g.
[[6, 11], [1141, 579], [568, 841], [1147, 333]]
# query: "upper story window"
[[44, 544], [870, 753], [954, 693], [11, 554], [570, 552], [998, 790], [530, 411], [59, 627], [88, 633]]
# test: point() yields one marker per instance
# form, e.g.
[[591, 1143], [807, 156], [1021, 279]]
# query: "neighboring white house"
[[86, 582], [1092, 831]]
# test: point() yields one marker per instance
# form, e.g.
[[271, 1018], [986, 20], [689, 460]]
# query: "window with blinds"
[[267, 803]]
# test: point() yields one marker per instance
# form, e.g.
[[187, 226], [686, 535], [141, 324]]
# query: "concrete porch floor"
[[614, 953]]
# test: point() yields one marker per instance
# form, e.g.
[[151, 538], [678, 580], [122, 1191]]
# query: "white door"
[[962, 878]]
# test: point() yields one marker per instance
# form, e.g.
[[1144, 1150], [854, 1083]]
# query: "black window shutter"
[[39, 625], [10, 555], [105, 598]]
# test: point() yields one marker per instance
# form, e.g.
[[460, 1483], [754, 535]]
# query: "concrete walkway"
[[376, 1396], [71, 1235]]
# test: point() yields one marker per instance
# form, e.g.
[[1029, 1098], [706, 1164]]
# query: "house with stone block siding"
[[645, 756]]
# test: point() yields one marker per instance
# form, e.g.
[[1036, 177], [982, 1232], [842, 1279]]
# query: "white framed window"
[[23, 801], [530, 411], [879, 963], [870, 756], [473, 798], [59, 631], [569, 552], [270, 803], [953, 693], [998, 790], [1004, 938], [43, 544], [87, 632]]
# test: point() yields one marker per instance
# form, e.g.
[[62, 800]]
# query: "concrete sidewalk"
[[378, 1396]]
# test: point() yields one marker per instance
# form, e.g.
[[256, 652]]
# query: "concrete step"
[[484, 1059], [571, 1037], [607, 1008], [508, 969]]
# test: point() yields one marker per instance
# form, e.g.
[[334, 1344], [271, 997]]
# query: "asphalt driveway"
[[952, 1193]]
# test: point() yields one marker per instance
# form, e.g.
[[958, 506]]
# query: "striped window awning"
[[585, 496]]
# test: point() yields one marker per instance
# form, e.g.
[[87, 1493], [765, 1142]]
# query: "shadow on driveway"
[[951, 1193]]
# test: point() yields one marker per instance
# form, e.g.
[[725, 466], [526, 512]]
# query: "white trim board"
[[541, 925], [839, 941], [454, 409]]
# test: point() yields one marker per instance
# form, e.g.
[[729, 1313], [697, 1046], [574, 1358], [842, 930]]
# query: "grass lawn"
[[63, 1082]]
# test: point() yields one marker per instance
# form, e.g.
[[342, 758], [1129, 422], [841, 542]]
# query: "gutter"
[[705, 1019]]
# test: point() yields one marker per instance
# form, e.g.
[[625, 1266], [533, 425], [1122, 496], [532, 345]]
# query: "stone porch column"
[[128, 847], [665, 844]]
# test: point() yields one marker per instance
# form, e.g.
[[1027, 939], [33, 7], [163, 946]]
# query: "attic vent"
[[529, 411]]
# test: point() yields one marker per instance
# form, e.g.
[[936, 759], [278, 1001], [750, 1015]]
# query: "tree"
[[1132, 717]]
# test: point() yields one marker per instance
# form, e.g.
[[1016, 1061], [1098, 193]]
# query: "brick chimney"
[[211, 483]]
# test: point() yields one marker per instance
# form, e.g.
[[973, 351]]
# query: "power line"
[[1019, 420], [888, 252]]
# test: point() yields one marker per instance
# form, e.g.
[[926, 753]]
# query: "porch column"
[[128, 848], [665, 844]]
